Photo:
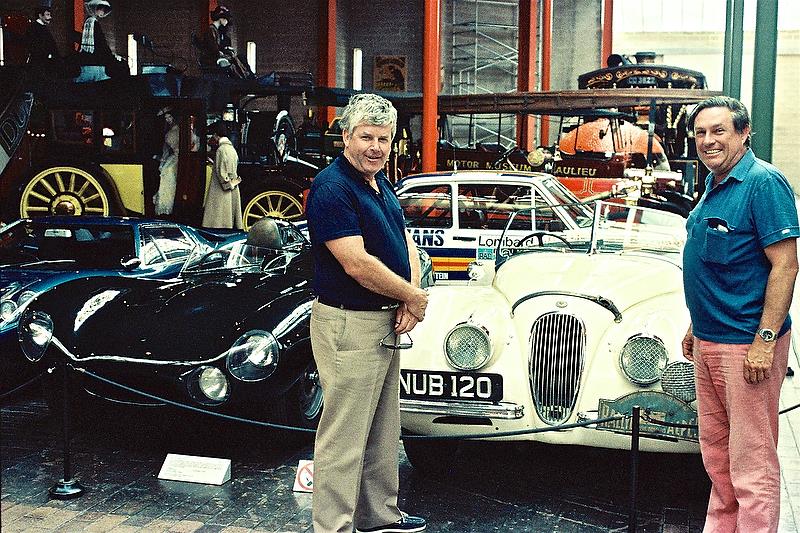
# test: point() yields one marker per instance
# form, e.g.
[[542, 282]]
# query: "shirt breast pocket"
[[718, 243]]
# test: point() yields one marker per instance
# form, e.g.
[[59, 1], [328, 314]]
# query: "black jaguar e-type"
[[229, 334]]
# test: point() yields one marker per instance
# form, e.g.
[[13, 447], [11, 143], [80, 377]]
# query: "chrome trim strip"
[[503, 410], [121, 359]]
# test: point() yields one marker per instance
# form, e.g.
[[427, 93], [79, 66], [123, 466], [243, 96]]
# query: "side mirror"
[[130, 262], [556, 226]]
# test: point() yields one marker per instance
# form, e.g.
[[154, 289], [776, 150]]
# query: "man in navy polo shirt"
[[366, 277], [739, 269]]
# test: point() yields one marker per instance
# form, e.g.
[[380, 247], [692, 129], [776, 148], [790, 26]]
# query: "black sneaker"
[[407, 523]]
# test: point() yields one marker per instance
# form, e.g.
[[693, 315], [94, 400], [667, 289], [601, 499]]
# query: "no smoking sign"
[[304, 479]]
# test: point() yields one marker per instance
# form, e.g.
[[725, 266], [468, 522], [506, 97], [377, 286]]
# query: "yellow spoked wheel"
[[63, 191], [276, 204]]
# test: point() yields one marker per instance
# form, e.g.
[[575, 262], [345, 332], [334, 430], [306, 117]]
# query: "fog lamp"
[[212, 385], [678, 380]]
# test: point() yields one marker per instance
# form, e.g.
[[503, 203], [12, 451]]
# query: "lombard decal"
[[428, 237], [492, 242]]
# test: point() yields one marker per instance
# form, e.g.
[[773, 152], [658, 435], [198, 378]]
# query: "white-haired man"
[[366, 278]]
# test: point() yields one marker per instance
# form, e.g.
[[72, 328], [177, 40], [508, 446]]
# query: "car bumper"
[[502, 410]]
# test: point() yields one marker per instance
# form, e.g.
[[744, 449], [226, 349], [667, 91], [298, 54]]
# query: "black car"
[[229, 334]]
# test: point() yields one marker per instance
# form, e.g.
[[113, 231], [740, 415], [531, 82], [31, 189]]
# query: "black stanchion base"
[[66, 490]]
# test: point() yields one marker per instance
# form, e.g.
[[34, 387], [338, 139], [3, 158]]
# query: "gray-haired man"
[[366, 278]]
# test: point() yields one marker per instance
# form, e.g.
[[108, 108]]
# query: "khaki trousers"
[[356, 478]]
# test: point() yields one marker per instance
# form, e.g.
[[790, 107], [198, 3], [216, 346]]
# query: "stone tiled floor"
[[504, 487]]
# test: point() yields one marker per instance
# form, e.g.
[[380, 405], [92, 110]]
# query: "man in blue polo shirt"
[[366, 277], [739, 269]]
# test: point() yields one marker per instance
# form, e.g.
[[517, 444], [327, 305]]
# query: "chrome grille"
[[558, 346]]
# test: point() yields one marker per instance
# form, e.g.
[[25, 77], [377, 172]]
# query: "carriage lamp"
[[254, 356], [467, 347], [643, 359], [35, 332]]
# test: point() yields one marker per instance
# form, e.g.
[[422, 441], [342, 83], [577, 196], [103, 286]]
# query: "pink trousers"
[[739, 437]]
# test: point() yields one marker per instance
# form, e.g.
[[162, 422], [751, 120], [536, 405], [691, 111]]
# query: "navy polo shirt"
[[342, 204], [725, 268]]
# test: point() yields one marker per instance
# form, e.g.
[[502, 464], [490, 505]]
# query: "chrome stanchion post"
[[635, 414], [66, 488]]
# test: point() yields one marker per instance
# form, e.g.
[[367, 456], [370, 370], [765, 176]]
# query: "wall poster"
[[389, 73]]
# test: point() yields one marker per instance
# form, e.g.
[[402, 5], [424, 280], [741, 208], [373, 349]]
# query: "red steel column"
[[526, 71], [205, 18], [326, 63], [78, 15], [608, 25], [430, 84], [547, 47]]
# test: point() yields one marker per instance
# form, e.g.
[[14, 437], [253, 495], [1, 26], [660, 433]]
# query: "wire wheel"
[[63, 191], [276, 204]]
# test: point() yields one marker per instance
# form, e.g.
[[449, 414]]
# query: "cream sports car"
[[560, 328]]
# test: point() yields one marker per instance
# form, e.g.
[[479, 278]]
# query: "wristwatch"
[[767, 334]]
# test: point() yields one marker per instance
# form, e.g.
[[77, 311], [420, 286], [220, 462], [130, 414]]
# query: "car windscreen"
[[73, 246], [238, 258], [616, 228]]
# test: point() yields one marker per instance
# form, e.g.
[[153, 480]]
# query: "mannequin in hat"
[[223, 202], [44, 54], [215, 46], [94, 46], [164, 199]]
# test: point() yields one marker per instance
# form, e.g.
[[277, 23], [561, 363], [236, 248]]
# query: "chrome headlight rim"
[[663, 358], [480, 362], [200, 384], [250, 362], [35, 332]]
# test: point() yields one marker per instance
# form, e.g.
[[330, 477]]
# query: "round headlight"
[[467, 347], [35, 332], [211, 381], [678, 380], [254, 356], [7, 310], [643, 359]]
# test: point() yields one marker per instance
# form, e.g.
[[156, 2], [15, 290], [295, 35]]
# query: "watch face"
[[766, 334]]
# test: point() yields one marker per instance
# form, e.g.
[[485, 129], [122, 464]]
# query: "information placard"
[[194, 469]]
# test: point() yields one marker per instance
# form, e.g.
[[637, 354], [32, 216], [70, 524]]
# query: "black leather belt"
[[356, 307]]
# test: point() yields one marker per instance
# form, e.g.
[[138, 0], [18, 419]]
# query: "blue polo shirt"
[[725, 268], [342, 204]]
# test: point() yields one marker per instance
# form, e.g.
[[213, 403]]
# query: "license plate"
[[425, 385], [660, 407]]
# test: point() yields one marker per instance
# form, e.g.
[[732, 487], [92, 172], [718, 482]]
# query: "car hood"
[[186, 319], [625, 279]]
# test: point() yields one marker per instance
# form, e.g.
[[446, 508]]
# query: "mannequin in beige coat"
[[223, 203]]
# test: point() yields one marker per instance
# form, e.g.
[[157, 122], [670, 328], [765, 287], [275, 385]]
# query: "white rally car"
[[558, 331], [459, 216]]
